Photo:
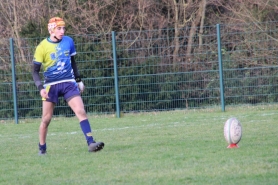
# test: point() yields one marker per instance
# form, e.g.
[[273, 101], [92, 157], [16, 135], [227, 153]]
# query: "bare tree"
[[254, 14], [198, 20], [91, 17], [15, 15]]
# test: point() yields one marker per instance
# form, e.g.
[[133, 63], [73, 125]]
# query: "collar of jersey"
[[49, 40]]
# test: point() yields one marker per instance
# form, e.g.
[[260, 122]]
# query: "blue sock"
[[86, 128], [42, 147]]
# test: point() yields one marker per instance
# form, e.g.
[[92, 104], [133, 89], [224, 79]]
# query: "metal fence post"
[[116, 74], [13, 80], [220, 68]]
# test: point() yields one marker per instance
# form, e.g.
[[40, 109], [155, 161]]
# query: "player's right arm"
[[37, 79], [36, 75], [37, 63]]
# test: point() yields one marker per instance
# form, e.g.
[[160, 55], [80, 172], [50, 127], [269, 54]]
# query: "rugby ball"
[[232, 131]]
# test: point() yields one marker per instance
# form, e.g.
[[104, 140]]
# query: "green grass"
[[179, 147]]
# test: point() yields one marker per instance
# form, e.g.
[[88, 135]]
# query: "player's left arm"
[[77, 75]]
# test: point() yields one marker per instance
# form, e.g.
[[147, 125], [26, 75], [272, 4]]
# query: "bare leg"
[[76, 104], [47, 112]]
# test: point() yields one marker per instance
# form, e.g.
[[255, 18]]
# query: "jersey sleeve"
[[72, 48], [38, 55]]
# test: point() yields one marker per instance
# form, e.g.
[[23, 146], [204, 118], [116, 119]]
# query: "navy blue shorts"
[[65, 89]]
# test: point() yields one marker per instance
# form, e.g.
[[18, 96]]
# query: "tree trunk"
[[204, 5], [193, 29]]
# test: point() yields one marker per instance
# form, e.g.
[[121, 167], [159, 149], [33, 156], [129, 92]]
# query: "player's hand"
[[44, 94], [81, 86]]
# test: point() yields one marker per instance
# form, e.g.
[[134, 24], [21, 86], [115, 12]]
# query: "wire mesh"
[[158, 70]]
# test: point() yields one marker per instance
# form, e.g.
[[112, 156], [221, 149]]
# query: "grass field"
[[179, 147]]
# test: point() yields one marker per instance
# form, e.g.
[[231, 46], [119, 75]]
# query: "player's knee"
[[45, 122], [81, 113]]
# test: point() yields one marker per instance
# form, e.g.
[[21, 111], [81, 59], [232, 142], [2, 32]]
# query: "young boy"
[[61, 78]]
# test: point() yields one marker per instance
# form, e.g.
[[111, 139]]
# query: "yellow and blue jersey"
[[56, 59]]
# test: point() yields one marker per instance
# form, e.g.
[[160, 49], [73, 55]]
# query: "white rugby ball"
[[232, 131]]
